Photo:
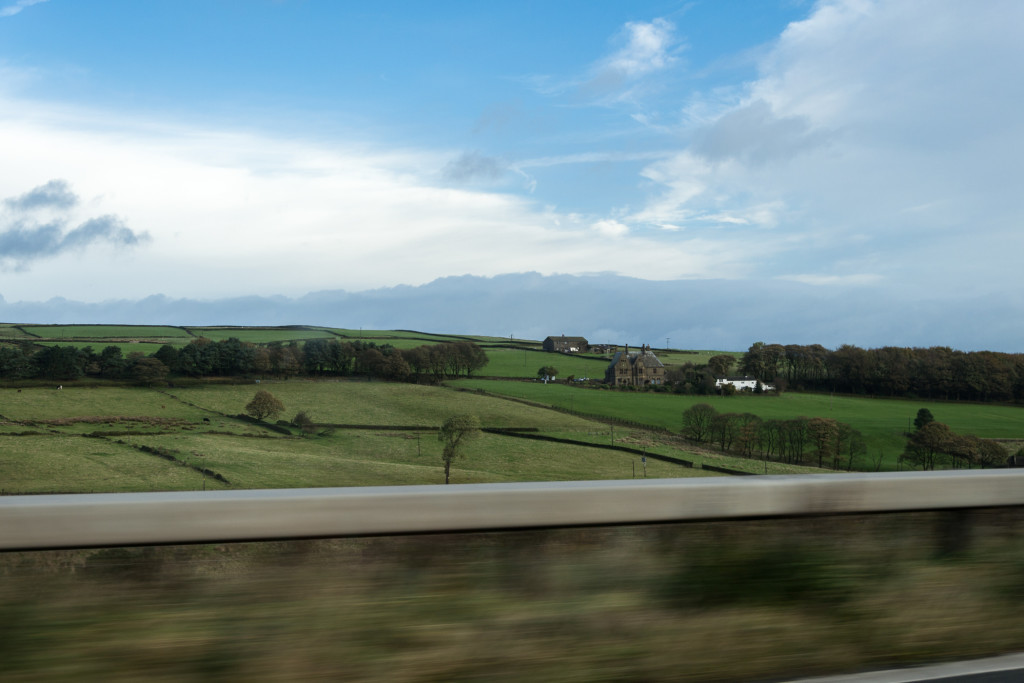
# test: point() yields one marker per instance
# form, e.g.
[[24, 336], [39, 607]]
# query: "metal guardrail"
[[120, 519]]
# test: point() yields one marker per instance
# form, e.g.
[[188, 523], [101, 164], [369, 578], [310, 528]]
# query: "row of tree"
[[799, 441], [232, 357], [937, 372], [69, 362], [934, 444]]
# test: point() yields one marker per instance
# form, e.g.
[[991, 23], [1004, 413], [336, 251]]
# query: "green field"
[[260, 335], [525, 363], [126, 332], [83, 439], [365, 457], [12, 331], [425, 337], [882, 421]]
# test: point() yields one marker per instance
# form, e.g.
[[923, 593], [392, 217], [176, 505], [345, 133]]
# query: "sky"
[[210, 149]]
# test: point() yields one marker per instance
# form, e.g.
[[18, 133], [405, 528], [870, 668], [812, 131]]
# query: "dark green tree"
[[924, 416], [112, 363], [721, 364], [168, 355], [303, 421], [148, 370]]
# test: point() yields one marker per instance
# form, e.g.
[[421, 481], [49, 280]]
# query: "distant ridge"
[[718, 314]]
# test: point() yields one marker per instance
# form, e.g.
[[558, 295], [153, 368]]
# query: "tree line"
[[819, 441], [937, 372], [232, 357]]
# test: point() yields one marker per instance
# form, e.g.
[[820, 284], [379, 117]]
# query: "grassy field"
[[525, 363], [260, 335], [125, 332], [91, 439], [882, 421], [12, 331], [426, 337]]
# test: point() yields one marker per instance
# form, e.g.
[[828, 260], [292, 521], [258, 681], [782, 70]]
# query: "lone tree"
[[454, 433], [547, 372], [264, 404], [697, 421], [303, 421], [924, 416]]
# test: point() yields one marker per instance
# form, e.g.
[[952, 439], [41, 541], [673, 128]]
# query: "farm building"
[[565, 344], [636, 369], [744, 383]]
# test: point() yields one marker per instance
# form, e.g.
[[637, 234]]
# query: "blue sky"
[[211, 149]]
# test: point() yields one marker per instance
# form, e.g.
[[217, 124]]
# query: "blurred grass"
[[704, 602]]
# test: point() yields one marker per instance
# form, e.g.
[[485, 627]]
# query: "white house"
[[745, 383]]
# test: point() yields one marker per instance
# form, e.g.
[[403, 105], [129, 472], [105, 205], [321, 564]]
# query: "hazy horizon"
[[838, 171]]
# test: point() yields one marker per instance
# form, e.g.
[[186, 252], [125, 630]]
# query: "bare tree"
[[454, 433], [697, 421]]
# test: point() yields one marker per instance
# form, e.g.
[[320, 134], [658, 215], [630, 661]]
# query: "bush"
[[303, 421]]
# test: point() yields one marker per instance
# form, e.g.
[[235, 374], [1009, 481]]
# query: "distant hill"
[[719, 314]]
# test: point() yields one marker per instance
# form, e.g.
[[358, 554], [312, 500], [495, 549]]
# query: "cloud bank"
[[25, 238]]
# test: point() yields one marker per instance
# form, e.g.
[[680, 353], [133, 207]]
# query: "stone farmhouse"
[[639, 368], [565, 344]]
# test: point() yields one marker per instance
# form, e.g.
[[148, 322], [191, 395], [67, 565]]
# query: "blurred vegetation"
[[721, 601]]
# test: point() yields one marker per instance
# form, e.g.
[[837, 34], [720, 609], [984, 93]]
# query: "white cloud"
[[647, 49], [833, 280], [880, 137], [11, 10], [230, 212], [610, 228]]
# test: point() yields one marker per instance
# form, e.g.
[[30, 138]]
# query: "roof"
[[564, 338], [650, 360]]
